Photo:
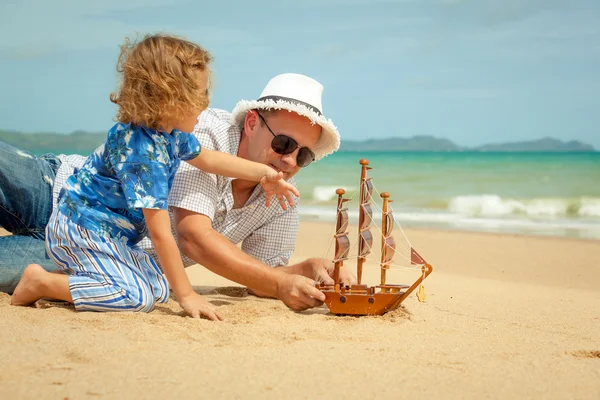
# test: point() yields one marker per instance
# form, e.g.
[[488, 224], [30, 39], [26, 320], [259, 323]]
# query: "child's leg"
[[37, 283], [107, 275], [153, 274]]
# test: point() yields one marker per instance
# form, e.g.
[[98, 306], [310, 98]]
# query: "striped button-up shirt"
[[266, 233]]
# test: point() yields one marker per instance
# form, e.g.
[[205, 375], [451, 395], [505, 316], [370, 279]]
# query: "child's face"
[[187, 122]]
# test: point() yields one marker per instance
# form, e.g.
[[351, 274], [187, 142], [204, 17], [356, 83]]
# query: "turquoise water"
[[530, 193], [527, 193]]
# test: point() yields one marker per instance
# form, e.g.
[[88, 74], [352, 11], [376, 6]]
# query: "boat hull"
[[361, 303]]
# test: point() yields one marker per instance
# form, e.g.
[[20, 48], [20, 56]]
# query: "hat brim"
[[329, 141]]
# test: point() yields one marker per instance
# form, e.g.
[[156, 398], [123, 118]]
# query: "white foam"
[[590, 207], [491, 205], [501, 223], [549, 207], [327, 193], [318, 212], [487, 204]]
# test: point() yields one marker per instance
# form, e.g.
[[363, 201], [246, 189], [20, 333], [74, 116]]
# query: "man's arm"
[[319, 269], [274, 243], [199, 241]]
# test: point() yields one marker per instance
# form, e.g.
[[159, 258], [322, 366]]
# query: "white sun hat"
[[295, 93]]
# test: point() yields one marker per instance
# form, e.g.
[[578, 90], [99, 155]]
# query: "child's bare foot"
[[28, 291]]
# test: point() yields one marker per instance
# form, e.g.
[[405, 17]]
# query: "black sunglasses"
[[283, 144]]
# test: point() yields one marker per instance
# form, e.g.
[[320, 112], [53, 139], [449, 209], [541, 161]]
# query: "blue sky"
[[474, 71]]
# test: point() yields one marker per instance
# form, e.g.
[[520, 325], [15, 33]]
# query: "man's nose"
[[290, 159]]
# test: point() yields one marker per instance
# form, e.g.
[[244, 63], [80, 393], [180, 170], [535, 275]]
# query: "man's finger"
[[196, 313], [329, 266], [311, 291], [281, 201], [348, 278], [304, 302], [325, 278], [310, 302]]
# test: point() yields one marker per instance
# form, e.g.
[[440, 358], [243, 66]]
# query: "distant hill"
[[78, 142], [430, 143], [415, 143], [545, 144], [81, 142]]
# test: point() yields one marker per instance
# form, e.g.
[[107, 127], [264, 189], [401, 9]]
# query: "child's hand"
[[196, 306], [274, 185]]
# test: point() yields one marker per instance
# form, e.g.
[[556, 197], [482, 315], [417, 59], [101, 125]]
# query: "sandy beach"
[[505, 317]]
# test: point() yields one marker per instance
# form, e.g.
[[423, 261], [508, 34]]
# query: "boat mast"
[[385, 264], [340, 226], [361, 215]]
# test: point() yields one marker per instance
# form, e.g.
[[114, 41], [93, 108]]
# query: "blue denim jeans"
[[25, 207]]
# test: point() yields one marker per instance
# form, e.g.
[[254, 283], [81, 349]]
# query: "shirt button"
[[220, 219]]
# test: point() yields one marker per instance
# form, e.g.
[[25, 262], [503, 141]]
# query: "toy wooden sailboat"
[[361, 299]]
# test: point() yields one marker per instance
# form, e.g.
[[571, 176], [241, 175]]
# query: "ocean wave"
[[325, 194], [322, 213], [494, 205], [561, 226], [589, 207]]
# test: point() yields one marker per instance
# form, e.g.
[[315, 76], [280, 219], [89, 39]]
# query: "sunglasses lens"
[[282, 144], [305, 157]]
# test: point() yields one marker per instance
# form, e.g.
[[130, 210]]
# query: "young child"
[[120, 194]]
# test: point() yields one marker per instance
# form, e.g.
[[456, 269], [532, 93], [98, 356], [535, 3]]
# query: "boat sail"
[[360, 299]]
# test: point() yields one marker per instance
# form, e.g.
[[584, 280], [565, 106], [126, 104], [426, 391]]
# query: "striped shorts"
[[105, 274]]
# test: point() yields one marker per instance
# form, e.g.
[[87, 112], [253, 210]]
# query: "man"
[[284, 128]]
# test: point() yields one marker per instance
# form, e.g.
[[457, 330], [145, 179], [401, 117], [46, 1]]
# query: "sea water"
[[528, 193]]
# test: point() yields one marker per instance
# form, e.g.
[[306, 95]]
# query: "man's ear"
[[251, 123]]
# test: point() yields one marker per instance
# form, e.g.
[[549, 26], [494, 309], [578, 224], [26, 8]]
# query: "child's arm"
[[219, 163], [159, 227]]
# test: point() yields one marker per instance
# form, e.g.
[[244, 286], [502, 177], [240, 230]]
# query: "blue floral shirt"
[[132, 170]]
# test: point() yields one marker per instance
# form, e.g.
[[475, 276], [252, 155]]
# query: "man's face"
[[282, 122]]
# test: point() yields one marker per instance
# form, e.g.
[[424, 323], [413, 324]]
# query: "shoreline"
[[588, 230], [465, 231]]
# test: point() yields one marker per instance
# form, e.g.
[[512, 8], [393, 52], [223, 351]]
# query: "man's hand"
[[322, 270], [298, 292]]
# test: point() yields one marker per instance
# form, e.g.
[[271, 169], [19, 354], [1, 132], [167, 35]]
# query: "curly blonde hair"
[[159, 80]]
